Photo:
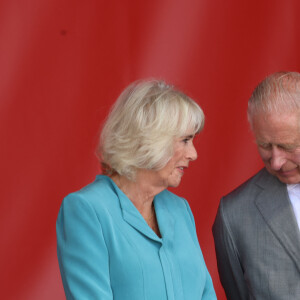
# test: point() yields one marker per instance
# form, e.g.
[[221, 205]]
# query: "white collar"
[[294, 188]]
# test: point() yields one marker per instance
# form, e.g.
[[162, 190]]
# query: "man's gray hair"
[[279, 92]]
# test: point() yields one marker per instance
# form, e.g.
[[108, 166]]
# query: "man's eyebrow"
[[288, 146], [284, 146], [261, 142]]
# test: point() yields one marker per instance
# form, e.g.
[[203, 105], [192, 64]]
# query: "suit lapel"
[[274, 205]]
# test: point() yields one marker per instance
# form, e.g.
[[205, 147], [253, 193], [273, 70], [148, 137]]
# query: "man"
[[256, 230]]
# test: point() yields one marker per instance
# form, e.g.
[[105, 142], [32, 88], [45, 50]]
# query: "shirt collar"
[[294, 188]]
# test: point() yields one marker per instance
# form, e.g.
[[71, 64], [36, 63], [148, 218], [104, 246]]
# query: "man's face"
[[278, 140]]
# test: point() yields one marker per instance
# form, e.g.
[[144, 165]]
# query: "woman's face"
[[184, 152]]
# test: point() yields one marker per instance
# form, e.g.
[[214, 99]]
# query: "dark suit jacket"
[[257, 241]]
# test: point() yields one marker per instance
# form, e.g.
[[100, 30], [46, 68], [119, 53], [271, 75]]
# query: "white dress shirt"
[[294, 194]]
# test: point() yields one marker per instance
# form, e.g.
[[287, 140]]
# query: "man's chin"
[[288, 179]]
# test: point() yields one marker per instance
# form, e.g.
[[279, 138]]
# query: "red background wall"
[[63, 63]]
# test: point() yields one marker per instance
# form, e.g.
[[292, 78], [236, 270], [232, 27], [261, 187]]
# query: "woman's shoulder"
[[96, 194]]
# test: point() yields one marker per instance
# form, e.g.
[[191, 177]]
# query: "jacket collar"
[[134, 218]]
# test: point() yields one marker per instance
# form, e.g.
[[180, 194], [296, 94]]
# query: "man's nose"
[[278, 159]]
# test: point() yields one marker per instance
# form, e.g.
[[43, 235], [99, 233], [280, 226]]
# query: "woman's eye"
[[185, 141]]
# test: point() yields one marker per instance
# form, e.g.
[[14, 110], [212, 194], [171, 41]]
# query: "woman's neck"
[[140, 191]]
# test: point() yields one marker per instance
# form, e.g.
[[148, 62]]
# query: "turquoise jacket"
[[106, 250]]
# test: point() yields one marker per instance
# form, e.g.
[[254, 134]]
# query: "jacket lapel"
[[132, 216], [166, 222], [274, 205]]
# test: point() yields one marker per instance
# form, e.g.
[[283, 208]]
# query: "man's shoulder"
[[247, 191], [237, 208]]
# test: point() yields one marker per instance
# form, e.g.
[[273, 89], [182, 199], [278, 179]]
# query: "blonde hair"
[[277, 93], [140, 129]]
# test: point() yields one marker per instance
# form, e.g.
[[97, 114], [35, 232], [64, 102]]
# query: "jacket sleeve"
[[208, 292], [82, 253], [229, 266]]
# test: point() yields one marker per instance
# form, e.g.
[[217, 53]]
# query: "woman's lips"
[[181, 169]]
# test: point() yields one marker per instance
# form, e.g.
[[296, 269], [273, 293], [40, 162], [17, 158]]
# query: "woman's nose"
[[192, 152]]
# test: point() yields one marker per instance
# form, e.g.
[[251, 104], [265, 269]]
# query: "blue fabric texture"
[[106, 250]]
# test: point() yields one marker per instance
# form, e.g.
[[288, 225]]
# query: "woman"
[[125, 236]]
